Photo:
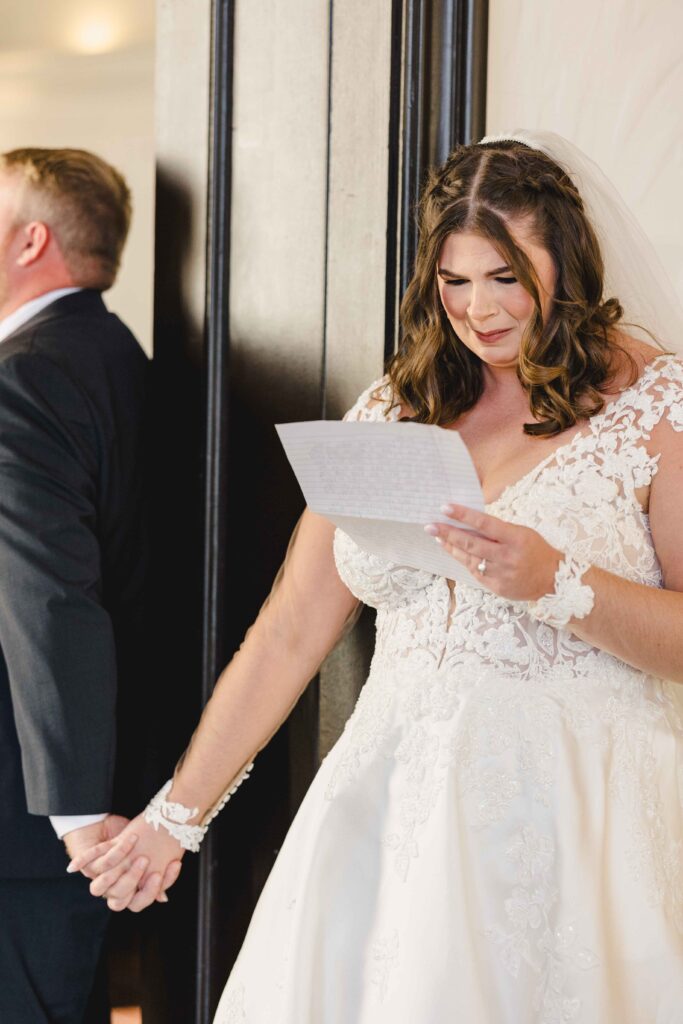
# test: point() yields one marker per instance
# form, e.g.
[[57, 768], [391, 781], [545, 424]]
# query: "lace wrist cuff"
[[174, 817], [571, 598]]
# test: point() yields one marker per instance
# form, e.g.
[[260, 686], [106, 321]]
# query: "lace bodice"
[[582, 499]]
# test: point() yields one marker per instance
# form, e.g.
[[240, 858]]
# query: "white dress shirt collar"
[[30, 309]]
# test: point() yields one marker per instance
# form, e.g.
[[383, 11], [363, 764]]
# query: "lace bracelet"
[[174, 817], [571, 598]]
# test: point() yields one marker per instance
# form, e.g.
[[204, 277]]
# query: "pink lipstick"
[[492, 335]]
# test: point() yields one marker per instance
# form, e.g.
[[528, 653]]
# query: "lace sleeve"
[[661, 420], [665, 397], [651, 425], [374, 405]]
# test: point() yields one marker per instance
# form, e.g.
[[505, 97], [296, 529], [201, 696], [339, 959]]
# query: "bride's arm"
[[304, 616], [298, 626], [638, 624], [641, 625]]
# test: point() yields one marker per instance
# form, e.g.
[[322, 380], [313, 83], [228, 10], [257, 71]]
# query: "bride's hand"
[[516, 562], [134, 869]]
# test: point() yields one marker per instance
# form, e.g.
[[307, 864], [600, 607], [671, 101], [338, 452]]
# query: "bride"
[[497, 837]]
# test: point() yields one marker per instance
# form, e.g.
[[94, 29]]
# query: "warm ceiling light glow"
[[95, 34]]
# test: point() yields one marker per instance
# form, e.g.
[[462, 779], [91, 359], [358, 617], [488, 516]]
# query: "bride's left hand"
[[520, 564]]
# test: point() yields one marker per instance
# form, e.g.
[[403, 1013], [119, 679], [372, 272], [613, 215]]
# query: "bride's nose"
[[482, 304]]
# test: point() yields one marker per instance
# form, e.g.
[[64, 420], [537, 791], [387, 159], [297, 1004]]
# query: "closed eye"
[[463, 280]]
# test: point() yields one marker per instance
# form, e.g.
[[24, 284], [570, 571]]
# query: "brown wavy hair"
[[566, 361]]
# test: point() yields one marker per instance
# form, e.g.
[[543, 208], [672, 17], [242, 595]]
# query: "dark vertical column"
[[394, 178], [444, 97], [474, 60], [414, 156], [215, 458]]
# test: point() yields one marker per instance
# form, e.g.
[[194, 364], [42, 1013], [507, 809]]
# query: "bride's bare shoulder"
[[642, 352], [639, 353]]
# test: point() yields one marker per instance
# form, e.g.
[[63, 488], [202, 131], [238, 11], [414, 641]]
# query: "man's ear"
[[34, 241]]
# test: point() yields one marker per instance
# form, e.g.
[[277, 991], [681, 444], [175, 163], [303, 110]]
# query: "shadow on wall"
[[152, 955]]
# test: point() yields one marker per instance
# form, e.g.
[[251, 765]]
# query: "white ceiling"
[[77, 26]]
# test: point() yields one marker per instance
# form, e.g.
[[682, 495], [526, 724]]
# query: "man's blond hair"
[[83, 200]]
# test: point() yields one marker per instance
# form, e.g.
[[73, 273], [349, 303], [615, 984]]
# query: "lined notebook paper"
[[381, 483]]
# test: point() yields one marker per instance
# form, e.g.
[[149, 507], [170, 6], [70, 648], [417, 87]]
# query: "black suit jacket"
[[73, 386]]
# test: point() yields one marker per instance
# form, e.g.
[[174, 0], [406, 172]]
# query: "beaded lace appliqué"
[[384, 954], [553, 953]]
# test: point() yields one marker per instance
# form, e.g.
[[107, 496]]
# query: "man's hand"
[[81, 839]]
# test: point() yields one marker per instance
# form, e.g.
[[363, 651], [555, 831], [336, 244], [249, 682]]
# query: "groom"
[[72, 561]]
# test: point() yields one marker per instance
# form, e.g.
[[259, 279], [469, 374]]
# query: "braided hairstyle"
[[566, 361]]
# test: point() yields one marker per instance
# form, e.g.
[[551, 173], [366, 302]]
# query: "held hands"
[[81, 839], [132, 869], [515, 562]]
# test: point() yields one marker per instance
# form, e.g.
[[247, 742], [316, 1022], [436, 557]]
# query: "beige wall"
[[182, 116], [609, 76], [277, 267], [53, 93]]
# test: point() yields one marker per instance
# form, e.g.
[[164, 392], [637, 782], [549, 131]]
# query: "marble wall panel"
[[357, 207], [277, 271]]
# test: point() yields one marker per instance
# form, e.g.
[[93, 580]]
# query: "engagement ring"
[[482, 566]]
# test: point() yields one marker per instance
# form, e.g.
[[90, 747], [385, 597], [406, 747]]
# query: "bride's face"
[[485, 304]]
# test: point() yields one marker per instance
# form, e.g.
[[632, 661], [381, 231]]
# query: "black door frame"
[[216, 484], [444, 63]]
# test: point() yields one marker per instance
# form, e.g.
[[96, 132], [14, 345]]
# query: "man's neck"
[[28, 310], [19, 298]]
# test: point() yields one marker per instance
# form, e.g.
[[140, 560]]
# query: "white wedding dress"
[[497, 837]]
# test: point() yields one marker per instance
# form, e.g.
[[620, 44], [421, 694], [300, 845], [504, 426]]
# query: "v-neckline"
[[594, 423]]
